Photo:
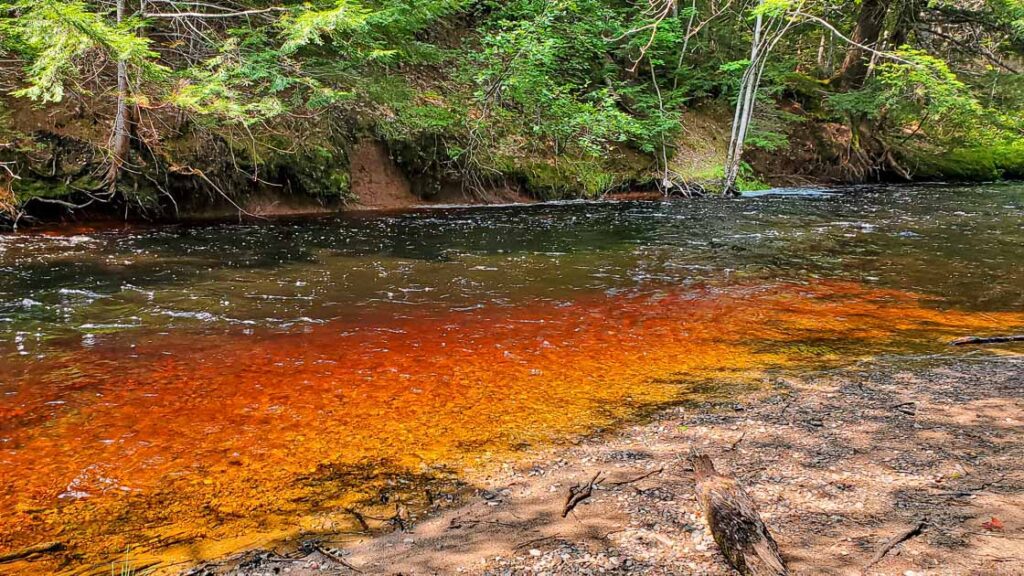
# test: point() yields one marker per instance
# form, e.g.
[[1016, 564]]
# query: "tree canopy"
[[491, 85]]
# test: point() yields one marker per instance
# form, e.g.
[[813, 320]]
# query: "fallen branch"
[[579, 493], [987, 340], [239, 14], [892, 543], [190, 171], [42, 548]]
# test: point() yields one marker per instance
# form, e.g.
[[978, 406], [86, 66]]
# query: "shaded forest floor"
[[839, 462]]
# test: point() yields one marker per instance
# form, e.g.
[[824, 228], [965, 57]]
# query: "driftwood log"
[[987, 339], [30, 551], [735, 523]]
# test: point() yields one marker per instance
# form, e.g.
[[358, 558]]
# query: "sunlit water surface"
[[194, 390]]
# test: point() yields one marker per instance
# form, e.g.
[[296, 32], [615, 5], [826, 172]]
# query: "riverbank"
[[51, 166], [839, 462]]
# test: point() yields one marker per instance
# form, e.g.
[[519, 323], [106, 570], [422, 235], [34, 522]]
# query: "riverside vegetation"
[[157, 107]]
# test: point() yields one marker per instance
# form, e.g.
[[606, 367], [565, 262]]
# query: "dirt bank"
[[839, 463]]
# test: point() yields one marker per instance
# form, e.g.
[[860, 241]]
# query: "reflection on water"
[[190, 391]]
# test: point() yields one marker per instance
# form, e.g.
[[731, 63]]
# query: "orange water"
[[187, 447]]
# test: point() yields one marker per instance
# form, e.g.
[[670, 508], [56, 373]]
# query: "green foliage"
[[247, 82], [561, 94], [56, 36], [312, 27], [923, 95], [548, 61]]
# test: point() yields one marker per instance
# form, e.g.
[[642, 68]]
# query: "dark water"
[[962, 244]]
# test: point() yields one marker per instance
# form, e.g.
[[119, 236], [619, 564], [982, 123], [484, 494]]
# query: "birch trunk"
[[744, 110], [119, 134]]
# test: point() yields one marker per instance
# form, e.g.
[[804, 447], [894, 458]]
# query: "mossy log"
[[735, 523]]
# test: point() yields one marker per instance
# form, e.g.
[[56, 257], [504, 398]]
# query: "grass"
[[127, 568]]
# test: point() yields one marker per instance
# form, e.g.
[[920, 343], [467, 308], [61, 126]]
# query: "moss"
[[27, 188], [323, 173], [575, 177], [1010, 159], [711, 177], [976, 164], [805, 89]]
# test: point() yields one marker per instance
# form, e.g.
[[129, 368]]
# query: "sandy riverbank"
[[838, 461]]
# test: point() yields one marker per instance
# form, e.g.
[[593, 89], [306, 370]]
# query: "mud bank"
[[838, 461]]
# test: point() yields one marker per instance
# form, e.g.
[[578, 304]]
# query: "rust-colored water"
[[186, 447]]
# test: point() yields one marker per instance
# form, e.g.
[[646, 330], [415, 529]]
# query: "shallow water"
[[193, 390]]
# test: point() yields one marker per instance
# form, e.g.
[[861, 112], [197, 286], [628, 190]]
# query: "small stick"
[[522, 545], [892, 543], [638, 478], [578, 494], [359, 518], [987, 340], [737, 442], [30, 550], [336, 558]]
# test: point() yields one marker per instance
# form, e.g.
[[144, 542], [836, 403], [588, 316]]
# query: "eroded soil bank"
[[839, 462]]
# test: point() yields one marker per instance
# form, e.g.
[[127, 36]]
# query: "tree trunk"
[[745, 101], [870, 22], [119, 142]]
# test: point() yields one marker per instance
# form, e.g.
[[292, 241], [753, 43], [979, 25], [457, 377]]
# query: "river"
[[187, 391]]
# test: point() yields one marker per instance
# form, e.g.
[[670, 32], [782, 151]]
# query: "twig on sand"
[[987, 340], [638, 478], [737, 442], [579, 493], [359, 518], [400, 520], [893, 542], [908, 408], [457, 523], [534, 541], [314, 546], [42, 548], [972, 491]]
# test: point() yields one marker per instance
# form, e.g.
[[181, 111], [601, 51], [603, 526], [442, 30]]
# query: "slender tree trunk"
[[821, 53], [119, 142], [744, 109], [870, 22]]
